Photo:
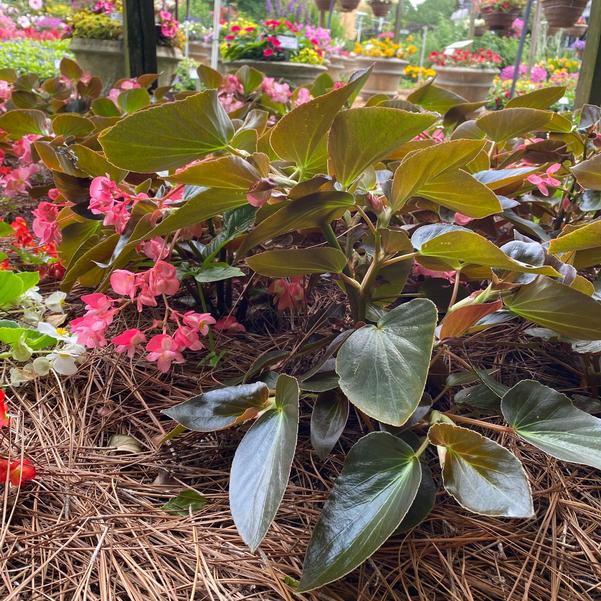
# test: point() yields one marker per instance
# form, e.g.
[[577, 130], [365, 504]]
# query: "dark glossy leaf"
[[309, 211], [370, 498], [262, 463], [480, 474], [548, 420], [220, 408], [299, 261], [383, 367], [460, 320], [422, 504], [558, 307], [328, 419], [300, 135], [359, 137], [168, 135], [217, 272]]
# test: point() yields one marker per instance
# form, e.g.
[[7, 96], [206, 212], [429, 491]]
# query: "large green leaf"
[[298, 261], [547, 419], [435, 98], [509, 123], [220, 408], [496, 179], [383, 367], [588, 173], [262, 463], [224, 172], [360, 137], [480, 474], [588, 236], [21, 122], [169, 135], [458, 248], [328, 419], [371, 496], [70, 124], [422, 166], [94, 164], [11, 288], [538, 99], [309, 211], [300, 135], [558, 307]]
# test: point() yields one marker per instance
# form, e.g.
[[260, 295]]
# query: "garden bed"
[[93, 525]]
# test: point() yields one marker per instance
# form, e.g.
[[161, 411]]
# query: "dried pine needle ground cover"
[[91, 526]]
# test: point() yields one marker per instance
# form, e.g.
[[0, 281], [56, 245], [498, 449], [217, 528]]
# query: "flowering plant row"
[[479, 59], [274, 40], [384, 47], [434, 222]]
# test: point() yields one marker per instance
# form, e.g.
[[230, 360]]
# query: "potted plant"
[[380, 8], [469, 74], [97, 42], [199, 41], [276, 47], [563, 13], [348, 6], [500, 14], [388, 62]]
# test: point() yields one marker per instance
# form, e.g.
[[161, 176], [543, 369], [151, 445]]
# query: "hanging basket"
[[323, 4], [501, 22], [563, 13], [347, 6], [380, 9]]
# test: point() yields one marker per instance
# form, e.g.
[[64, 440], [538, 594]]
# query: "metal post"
[[589, 80], [397, 21], [422, 54], [330, 13], [216, 30], [140, 37], [518, 58]]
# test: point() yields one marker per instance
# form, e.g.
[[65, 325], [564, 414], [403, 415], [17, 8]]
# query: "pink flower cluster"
[[231, 93], [122, 86], [278, 92], [16, 181], [107, 199], [288, 293], [44, 225], [543, 182], [169, 26]]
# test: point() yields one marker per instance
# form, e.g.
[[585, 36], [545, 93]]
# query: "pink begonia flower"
[[230, 103], [162, 279], [5, 90], [288, 293], [163, 349], [22, 147], [17, 181], [198, 321], [54, 193], [187, 338], [44, 225], [89, 331], [303, 96], [128, 341], [229, 323], [99, 305], [123, 282], [278, 92], [231, 85], [542, 182], [461, 219], [418, 270], [102, 194], [155, 249]]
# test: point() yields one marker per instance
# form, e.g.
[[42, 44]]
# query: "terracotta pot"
[[297, 73], [473, 84], [340, 66], [563, 13], [347, 6], [501, 22], [384, 78], [380, 9], [577, 31], [200, 52], [323, 4], [106, 59]]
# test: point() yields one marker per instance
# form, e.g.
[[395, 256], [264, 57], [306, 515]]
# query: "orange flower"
[[4, 419]]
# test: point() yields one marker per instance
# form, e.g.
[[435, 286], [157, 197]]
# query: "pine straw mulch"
[[90, 527]]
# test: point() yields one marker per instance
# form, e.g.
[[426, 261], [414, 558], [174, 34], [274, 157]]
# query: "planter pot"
[[347, 6], [200, 52], [297, 73], [323, 4], [501, 22], [339, 66], [472, 84], [577, 31], [380, 9], [106, 59], [384, 78], [563, 13]]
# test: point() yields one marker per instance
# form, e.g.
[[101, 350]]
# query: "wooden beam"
[[139, 37], [589, 80]]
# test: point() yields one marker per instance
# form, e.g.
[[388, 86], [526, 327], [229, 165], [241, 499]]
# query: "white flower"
[[35, 4], [21, 375], [23, 22], [62, 363], [41, 366], [58, 333], [55, 301]]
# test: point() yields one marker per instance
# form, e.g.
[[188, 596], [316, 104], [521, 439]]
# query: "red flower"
[[4, 419], [268, 52], [21, 472]]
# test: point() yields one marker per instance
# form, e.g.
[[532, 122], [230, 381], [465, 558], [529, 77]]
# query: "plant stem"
[[422, 447], [460, 419], [398, 259], [203, 302]]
